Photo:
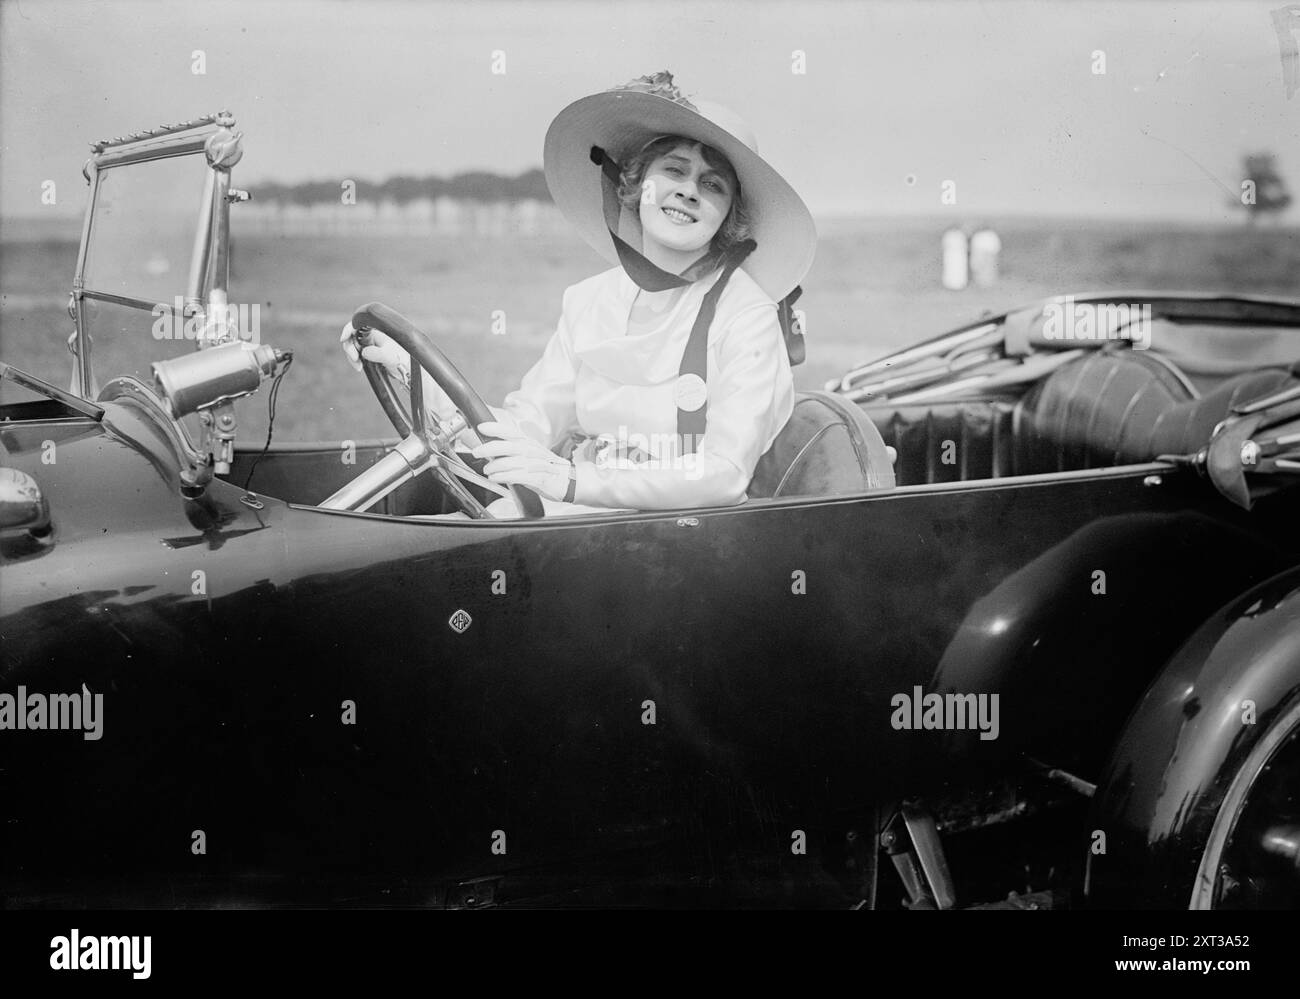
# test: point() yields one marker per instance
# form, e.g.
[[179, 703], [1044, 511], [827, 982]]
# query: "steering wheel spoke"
[[458, 467], [404, 462], [419, 416], [466, 499]]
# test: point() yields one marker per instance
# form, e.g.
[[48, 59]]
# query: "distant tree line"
[[473, 186]]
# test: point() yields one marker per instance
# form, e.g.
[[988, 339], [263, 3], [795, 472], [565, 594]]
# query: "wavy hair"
[[738, 224]]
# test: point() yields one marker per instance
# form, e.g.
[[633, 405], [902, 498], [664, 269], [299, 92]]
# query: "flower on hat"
[[661, 85]]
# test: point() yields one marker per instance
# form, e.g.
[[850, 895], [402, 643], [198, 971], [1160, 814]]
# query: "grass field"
[[874, 288]]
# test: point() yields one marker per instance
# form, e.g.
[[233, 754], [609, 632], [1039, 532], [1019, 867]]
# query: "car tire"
[[1251, 857]]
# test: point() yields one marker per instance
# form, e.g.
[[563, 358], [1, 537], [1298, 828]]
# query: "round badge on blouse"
[[690, 393]]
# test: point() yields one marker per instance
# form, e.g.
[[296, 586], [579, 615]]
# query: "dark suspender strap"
[[695, 358]]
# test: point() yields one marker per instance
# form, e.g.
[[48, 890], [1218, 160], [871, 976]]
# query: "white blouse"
[[599, 379]]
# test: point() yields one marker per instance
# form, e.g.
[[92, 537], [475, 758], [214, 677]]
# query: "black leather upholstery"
[[828, 447], [1110, 408], [980, 432], [1122, 407]]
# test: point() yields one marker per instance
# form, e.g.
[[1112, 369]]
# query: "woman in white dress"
[[667, 377]]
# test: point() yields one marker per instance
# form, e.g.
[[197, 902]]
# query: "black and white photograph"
[[650, 455]]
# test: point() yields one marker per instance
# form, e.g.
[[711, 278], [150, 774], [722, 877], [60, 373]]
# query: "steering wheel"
[[423, 447]]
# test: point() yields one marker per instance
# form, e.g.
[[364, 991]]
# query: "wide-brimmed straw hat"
[[622, 120]]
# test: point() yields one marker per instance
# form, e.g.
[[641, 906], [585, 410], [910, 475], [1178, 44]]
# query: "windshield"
[[142, 236], [138, 262]]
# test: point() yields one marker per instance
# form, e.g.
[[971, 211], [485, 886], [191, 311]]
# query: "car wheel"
[[1252, 856]]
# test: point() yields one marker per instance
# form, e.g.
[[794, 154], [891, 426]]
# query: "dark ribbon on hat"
[[650, 277]]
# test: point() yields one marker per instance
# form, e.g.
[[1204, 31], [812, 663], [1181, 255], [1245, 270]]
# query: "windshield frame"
[[210, 136]]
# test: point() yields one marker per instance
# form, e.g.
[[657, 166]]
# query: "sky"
[[1003, 99]]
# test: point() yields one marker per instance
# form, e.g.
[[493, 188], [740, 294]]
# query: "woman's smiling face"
[[684, 201]]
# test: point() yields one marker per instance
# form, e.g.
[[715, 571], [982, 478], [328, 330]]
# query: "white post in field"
[[984, 249], [955, 268]]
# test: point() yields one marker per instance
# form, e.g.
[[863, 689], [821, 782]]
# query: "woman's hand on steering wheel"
[[384, 350], [515, 459], [381, 349]]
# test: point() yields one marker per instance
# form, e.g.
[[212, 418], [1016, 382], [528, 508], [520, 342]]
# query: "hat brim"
[[621, 122]]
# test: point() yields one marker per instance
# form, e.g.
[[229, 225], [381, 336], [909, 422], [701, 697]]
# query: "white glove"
[[382, 349], [467, 439], [517, 459], [504, 418]]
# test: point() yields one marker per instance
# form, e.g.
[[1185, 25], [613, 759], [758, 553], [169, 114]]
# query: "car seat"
[[828, 447]]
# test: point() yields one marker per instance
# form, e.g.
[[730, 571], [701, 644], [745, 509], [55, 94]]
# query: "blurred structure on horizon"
[[443, 216]]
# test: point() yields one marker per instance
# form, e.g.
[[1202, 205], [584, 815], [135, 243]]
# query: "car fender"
[[1208, 709], [1069, 664]]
